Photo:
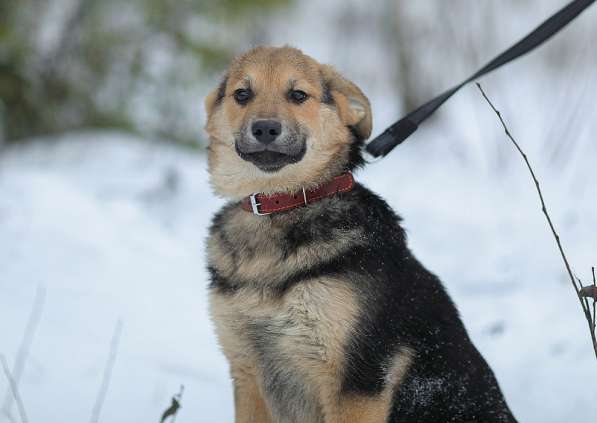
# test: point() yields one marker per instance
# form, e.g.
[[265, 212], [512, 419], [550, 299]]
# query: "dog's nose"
[[266, 131]]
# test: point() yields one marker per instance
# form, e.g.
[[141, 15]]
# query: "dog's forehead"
[[274, 66]]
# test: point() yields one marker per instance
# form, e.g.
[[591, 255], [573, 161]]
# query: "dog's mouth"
[[274, 156], [271, 161]]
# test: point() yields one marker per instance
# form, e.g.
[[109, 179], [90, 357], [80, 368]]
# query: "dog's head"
[[280, 121]]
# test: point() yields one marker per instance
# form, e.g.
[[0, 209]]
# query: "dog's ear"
[[215, 97], [353, 107]]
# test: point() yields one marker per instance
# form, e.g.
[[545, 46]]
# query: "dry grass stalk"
[[101, 395], [581, 292]]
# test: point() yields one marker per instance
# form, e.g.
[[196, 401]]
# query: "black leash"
[[401, 130]]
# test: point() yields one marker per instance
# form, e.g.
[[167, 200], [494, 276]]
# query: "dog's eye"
[[298, 96], [242, 95]]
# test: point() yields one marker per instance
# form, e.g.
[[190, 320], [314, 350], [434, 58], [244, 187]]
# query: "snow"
[[90, 218], [113, 227]]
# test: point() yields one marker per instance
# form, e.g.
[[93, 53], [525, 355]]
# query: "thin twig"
[[101, 395], [576, 287], [15, 390], [594, 298], [23, 352]]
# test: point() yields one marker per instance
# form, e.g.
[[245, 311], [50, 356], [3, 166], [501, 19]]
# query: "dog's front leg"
[[360, 409], [250, 407]]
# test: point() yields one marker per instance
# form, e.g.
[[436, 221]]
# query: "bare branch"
[[14, 389], [101, 395], [594, 299], [577, 288]]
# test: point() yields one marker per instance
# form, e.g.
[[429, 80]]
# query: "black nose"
[[266, 131]]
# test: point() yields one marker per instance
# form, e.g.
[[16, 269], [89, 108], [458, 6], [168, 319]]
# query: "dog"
[[321, 310]]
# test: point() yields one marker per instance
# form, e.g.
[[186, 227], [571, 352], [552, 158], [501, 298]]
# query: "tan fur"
[[249, 402], [363, 410], [321, 313], [354, 107], [269, 72]]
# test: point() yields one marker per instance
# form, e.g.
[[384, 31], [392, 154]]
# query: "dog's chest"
[[293, 344], [301, 328], [285, 342]]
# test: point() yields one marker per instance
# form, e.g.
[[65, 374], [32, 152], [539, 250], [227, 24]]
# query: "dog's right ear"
[[215, 97]]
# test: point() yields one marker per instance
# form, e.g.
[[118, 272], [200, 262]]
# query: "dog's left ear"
[[353, 107]]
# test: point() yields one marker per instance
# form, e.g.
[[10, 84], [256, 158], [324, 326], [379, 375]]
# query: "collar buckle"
[[255, 205]]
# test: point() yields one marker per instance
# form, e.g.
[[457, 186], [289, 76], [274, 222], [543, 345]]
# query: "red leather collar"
[[262, 204]]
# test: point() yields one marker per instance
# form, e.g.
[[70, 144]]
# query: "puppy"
[[320, 308]]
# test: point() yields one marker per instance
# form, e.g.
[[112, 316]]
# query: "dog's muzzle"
[[269, 145]]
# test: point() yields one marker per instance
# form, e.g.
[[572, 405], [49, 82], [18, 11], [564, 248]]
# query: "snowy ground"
[[113, 227]]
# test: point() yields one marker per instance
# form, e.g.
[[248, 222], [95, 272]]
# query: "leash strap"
[[401, 130]]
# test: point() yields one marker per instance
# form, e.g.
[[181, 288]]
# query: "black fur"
[[326, 97], [355, 155], [405, 307]]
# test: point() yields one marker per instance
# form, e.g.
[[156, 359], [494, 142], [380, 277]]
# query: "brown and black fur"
[[322, 311]]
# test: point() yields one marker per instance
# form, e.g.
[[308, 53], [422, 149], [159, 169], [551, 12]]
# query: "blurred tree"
[[135, 65]]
